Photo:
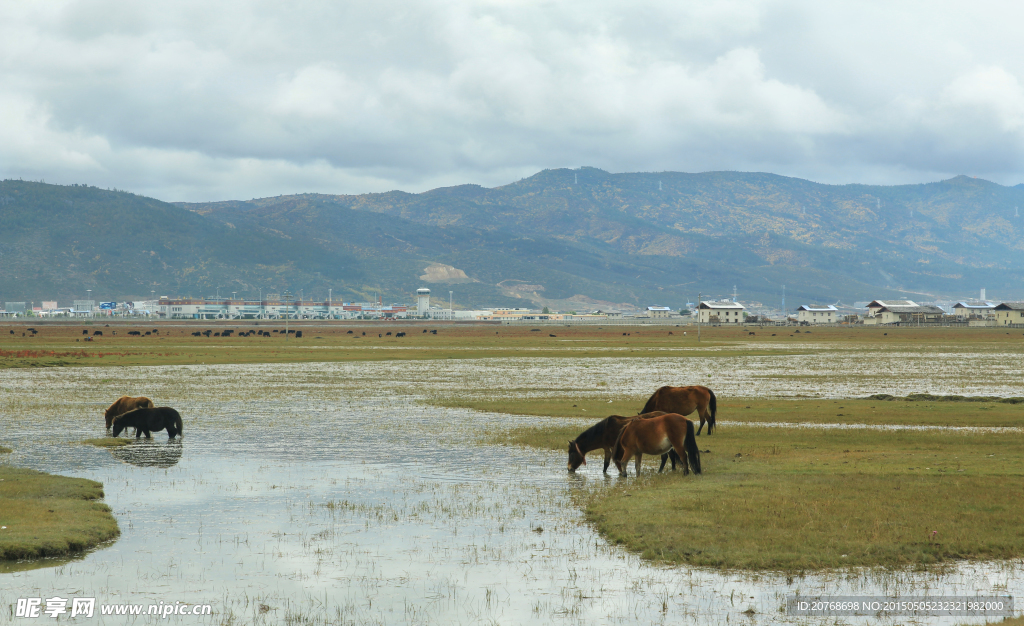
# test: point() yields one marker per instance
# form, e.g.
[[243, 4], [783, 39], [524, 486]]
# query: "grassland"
[[60, 344], [47, 515], [807, 498], [753, 410]]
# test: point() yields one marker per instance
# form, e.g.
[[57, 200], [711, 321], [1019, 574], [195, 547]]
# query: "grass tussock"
[[5, 450], [107, 442], [48, 515], [809, 499]]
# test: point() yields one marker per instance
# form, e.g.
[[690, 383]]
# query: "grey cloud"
[[198, 101]]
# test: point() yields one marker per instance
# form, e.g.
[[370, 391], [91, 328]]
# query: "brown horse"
[[657, 435], [604, 434], [124, 404], [686, 400]]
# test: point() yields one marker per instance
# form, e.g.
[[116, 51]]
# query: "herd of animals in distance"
[[661, 428]]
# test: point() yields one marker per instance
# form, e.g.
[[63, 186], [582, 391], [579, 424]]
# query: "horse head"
[[576, 457], [118, 427]]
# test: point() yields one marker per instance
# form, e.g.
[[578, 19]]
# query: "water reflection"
[[150, 453]]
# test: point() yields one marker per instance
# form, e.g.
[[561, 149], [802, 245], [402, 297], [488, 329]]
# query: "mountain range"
[[567, 238]]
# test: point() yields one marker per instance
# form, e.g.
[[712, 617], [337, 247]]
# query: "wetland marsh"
[[385, 491]]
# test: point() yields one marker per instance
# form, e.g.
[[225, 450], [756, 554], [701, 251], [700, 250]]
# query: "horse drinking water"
[[603, 435], [148, 420], [657, 435]]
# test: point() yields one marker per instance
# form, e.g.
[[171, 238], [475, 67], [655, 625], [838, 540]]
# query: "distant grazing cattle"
[[433, 332], [84, 331], [216, 334], [552, 335], [97, 333], [424, 330], [298, 334], [534, 330], [399, 334], [207, 332], [388, 334], [147, 333], [380, 335], [195, 334], [12, 332], [348, 333]]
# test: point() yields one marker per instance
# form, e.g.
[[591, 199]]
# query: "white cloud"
[[230, 100]]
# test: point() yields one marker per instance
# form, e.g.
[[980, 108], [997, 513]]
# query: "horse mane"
[[651, 402], [595, 431]]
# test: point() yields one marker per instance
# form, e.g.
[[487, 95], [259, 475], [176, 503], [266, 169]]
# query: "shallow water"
[[327, 493]]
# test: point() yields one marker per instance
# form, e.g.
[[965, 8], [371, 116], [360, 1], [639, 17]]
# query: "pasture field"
[[46, 515], [60, 344], [797, 499]]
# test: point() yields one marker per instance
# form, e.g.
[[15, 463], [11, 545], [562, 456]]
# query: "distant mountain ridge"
[[571, 238]]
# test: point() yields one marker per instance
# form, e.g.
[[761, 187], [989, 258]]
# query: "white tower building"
[[422, 301]]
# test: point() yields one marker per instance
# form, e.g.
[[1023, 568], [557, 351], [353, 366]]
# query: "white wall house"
[[973, 310], [722, 312], [1009, 313], [659, 312], [817, 314]]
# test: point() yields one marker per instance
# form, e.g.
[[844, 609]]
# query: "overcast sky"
[[234, 100]]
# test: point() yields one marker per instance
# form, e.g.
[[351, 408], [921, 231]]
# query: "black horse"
[[149, 420], [604, 434]]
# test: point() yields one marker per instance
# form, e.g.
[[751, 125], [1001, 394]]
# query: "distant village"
[[981, 312]]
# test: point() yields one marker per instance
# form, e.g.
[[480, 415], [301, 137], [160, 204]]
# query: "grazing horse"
[[149, 420], [125, 404], [604, 435], [657, 435], [686, 400]]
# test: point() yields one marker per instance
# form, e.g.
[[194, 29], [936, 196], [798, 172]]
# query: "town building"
[[1008, 313], [875, 306], [216, 309], [966, 311], [659, 312], [906, 315], [721, 312], [817, 314]]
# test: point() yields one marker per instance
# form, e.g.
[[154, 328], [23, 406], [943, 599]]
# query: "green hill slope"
[[570, 238]]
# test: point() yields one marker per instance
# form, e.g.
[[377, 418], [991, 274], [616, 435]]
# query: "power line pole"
[[287, 306], [698, 317]]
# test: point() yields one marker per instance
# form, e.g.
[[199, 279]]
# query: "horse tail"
[[617, 450], [651, 403], [177, 423], [713, 405], [692, 451]]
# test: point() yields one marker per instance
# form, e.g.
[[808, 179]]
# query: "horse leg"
[[664, 459], [607, 459], [623, 462], [639, 458], [702, 423]]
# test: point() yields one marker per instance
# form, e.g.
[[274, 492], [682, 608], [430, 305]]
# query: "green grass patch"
[[802, 411], [107, 442], [807, 499], [47, 515], [4, 450]]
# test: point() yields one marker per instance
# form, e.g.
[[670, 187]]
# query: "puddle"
[[327, 493]]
